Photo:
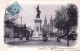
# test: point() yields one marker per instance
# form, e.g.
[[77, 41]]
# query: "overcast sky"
[[28, 13]]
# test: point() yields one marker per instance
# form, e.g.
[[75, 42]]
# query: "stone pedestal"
[[37, 35]]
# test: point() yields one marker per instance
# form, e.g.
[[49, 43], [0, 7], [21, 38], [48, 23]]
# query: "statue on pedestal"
[[37, 29], [38, 12]]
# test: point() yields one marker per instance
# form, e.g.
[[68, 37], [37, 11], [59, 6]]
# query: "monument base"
[[37, 36]]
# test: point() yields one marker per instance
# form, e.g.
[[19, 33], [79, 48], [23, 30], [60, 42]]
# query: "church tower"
[[45, 23], [51, 24]]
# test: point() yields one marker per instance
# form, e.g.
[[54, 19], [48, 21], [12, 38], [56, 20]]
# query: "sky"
[[29, 13]]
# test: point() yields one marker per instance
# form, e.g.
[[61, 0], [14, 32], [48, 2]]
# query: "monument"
[[37, 29]]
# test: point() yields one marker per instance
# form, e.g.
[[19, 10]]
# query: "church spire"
[[51, 19], [45, 21], [51, 24]]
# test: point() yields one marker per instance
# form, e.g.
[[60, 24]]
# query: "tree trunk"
[[58, 40], [67, 41], [14, 39], [67, 37]]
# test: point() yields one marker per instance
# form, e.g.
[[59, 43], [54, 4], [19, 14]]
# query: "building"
[[14, 30], [51, 24], [45, 24]]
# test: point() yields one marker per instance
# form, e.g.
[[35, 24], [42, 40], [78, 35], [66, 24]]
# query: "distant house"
[[12, 30], [8, 28]]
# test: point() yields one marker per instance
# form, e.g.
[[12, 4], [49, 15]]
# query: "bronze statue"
[[38, 12]]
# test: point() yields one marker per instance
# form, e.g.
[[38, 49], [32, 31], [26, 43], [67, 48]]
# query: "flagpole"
[[21, 21]]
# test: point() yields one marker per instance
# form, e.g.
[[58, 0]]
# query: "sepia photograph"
[[40, 24]]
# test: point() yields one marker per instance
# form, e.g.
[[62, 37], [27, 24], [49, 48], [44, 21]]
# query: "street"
[[50, 42]]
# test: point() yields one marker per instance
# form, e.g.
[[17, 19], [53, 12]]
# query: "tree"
[[66, 18], [61, 16], [73, 15]]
